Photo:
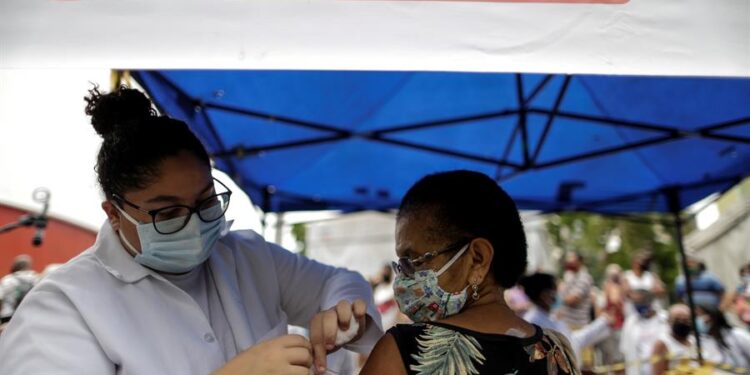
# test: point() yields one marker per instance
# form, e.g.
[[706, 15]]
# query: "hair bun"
[[116, 111]]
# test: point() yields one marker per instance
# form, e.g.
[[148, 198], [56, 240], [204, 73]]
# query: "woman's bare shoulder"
[[385, 358]]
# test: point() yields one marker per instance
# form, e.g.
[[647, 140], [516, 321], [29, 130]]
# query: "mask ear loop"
[[453, 260], [128, 217], [128, 246]]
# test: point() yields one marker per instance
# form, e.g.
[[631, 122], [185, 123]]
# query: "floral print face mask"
[[422, 299]]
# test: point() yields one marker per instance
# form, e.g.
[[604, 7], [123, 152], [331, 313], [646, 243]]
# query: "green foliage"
[[299, 233], [588, 234]]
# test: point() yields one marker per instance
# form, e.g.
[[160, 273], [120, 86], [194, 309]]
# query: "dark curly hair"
[[135, 139], [464, 205], [534, 285]]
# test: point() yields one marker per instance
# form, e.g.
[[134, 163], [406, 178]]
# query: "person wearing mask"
[[541, 289], [383, 295], [707, 289], [575, 293], [721, 343], [744, 279], [639, 276], [640, 333], [16, 285], [517, 300], [676, 346], [460, 244], [167, 288], [614, 306]]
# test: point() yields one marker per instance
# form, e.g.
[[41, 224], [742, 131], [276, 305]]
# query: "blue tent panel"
[[301, 140]]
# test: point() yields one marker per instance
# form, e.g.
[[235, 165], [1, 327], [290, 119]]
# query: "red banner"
[[545, 1]]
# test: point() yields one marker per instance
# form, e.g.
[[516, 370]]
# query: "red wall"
[[62, 241]]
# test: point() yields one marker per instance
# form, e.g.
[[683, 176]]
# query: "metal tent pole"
[[267, 193], [673, 201]]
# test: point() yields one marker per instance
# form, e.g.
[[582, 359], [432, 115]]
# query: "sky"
[[46, 140]]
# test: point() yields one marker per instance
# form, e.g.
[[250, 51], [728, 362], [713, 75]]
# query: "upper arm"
[[301, 284], [662, 365], [307, 286], [48, 335], [382, 360], [591, 334], [659, 287]]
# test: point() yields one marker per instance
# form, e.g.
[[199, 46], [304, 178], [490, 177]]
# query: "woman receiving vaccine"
[[460, 243]]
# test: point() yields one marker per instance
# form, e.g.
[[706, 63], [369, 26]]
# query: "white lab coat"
[[639, 335], [103, 313]]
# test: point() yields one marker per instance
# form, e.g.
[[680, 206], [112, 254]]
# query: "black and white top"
[[439, 348]]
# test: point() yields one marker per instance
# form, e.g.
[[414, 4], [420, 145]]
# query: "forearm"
[[592, 333], [350, 286]]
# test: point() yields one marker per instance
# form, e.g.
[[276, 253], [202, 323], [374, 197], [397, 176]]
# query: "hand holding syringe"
[[343, 337]]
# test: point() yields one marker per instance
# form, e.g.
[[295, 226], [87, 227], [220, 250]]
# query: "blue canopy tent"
[[353, 140], [309, 140]]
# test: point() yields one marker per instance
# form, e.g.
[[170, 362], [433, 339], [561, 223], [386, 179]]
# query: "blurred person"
[[460, 243], [167, 288], [741, 296], [382, 284], [676, 346], [575, 293], [639, 276], [742, 307], [384, 277], [541, 289], [707, 288], [720, 342], [384, 300], [517, 300], [614, 305], [52, 267], [16, 285], [744, 278], [640, 333]]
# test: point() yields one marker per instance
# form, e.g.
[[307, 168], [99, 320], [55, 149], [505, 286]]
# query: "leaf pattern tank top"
[[443, 349]]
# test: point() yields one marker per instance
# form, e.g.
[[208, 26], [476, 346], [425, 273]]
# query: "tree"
[[596, 238]]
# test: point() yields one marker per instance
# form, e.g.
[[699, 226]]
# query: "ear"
[[482, 253], [112, 214]]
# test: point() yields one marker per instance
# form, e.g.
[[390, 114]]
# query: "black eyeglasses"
[[172, 219], [408, 267]]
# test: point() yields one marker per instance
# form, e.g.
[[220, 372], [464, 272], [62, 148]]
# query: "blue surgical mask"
[[557, 303], [701, 326], [178, 252], [642, 310]]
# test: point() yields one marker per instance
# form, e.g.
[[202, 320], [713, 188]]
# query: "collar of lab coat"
[[115, 259]]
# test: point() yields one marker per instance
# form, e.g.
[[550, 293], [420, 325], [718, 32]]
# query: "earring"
[[475, 295]]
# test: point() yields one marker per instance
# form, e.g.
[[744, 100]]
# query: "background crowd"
[[630, 322], [629, 319]]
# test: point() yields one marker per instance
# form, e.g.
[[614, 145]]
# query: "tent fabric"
[[639, 37], [353, 140]]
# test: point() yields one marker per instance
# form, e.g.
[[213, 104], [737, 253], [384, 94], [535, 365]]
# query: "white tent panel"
[[364, 242], [723, 246], [651, 37]]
